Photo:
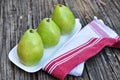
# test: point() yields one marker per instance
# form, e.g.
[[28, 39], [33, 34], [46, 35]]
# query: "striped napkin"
[[86, 44]]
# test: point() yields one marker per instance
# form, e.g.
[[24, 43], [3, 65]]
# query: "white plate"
[[47, 51]]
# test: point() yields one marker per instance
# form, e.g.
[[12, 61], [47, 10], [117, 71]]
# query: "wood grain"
[[16, 16]]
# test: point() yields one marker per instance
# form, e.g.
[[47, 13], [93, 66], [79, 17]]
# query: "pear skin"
[[49, 32], [30, 48], [64, 18]]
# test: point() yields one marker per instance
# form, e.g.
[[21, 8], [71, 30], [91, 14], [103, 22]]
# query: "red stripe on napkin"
[[100, 32], [79, 55]]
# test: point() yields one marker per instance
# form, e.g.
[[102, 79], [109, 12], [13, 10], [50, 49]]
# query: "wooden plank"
[[1, 33], [113, 62], [5, 66], [45, 76]]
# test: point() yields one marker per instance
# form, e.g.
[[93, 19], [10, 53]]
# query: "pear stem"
[[60, 5], [31, 31], [48, 20]]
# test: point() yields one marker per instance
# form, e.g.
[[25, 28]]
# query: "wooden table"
[[16, 16]]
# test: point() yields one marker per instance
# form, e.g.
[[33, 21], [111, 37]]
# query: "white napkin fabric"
[[93, 31]]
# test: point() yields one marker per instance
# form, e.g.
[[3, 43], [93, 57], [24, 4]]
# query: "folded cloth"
[[78, 70], [86, 44]]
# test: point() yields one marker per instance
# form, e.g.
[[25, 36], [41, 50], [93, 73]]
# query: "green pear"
[[64, 18], [30, 48], [49, 32]]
